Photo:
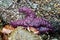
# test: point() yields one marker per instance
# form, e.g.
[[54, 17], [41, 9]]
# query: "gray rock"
[[5, 3], [22, 34]]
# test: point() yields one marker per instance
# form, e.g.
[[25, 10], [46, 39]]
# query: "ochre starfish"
[[31, 20]]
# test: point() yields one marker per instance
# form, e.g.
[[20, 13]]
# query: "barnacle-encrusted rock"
[[5, 3], [21, 34]]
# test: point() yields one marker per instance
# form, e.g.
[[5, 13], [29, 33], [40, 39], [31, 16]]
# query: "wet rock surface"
[[49, 9]]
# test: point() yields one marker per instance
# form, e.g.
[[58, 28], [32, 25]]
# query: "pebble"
[[55, 39]]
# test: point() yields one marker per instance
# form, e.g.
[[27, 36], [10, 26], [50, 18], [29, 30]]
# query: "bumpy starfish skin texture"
[[32, 20]]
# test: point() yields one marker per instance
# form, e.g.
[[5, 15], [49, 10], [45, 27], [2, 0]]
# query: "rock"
[[5, 3], [55, 39], [22, 34]]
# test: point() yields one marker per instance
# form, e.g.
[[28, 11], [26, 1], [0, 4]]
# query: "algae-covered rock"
[[22, 34]]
